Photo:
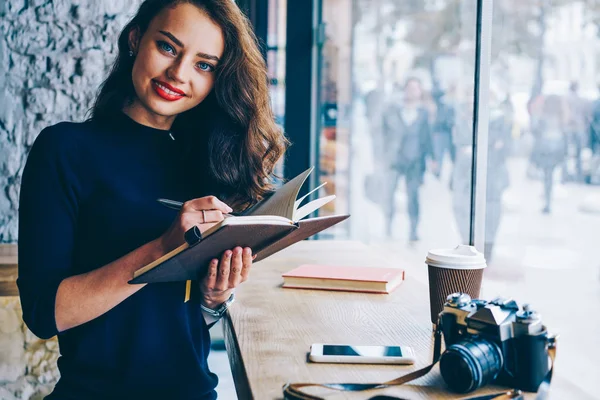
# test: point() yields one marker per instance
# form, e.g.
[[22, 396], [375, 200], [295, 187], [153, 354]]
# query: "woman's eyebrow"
[[178, 43]]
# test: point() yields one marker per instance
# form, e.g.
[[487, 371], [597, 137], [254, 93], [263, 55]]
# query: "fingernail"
[[247, 251], [215, 261], [229, 209], [228, 253]]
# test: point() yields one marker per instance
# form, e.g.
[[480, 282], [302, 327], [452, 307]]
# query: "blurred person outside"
[[443, 125], [429, 104], [593, 175], [407, 147], [499, 147], [534, 108], [373, 109], [550, 145], [462, 140], [576, 133]]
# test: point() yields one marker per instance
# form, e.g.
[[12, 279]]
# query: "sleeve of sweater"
[[47, 219]]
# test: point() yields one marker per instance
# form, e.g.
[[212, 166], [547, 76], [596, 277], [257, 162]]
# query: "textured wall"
[[27, 364], [53, 56]]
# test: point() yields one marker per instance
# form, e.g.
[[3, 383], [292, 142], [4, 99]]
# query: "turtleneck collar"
[[137, 127]]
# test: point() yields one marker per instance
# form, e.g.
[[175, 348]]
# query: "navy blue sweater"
[[88, 197]]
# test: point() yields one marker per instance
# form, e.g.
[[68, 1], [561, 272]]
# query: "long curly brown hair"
[[234, 122]]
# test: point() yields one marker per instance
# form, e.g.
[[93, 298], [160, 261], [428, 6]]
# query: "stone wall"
[[53, 57], [27, 363]]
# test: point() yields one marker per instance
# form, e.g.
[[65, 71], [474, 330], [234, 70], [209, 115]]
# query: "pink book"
[[354, 279]]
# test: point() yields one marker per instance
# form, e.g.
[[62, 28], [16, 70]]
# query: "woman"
[[408, 146], [184, 114], [550, 146]]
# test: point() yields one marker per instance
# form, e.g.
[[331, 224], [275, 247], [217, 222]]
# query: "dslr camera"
[[492, 341]]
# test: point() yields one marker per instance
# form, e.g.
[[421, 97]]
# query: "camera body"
[[495, 341]]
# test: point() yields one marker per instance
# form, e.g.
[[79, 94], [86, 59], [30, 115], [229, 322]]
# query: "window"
[[396, 82], [396, 146], [276, 56], [542, 197]]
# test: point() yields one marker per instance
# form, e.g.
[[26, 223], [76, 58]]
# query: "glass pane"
[[276, 43], [543, 198], [396, 119]]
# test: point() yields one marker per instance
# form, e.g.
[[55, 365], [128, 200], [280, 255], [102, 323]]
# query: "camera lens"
[[470, 364]]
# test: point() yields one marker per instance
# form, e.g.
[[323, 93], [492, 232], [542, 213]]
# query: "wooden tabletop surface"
[[269, 330]]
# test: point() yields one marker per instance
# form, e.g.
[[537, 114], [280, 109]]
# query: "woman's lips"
[[165, 92]]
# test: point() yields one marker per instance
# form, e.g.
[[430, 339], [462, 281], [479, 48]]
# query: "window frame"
[[483, 46], [302, 72]]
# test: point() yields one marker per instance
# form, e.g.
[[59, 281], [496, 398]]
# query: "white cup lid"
[[460, 257]]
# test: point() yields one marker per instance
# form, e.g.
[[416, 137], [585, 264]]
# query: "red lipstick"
[[167, 91]]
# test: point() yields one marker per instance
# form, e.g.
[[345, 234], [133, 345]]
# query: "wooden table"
[[269, 329]]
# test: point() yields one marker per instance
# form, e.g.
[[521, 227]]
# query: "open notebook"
[[269, 226]]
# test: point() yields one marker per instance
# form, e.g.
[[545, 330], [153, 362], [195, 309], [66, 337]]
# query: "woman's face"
[[175, 62]]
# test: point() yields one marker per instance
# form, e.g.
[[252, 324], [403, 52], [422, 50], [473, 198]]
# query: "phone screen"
[[365, 351]]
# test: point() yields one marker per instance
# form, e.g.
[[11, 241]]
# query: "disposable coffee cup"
[[453, 270]]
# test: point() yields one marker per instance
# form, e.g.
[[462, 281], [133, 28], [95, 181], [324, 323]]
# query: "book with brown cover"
[[270, 226], [353, 279]]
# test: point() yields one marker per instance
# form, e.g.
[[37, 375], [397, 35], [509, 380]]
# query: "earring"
[[130, 53]]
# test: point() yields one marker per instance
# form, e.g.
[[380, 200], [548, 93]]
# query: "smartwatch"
[[219, 311]]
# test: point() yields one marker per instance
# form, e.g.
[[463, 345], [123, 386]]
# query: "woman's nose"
[[177, 71]]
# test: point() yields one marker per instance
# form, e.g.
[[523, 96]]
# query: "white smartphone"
[[350, 354]]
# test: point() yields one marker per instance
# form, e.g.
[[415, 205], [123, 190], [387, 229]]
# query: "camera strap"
[[293, 391]]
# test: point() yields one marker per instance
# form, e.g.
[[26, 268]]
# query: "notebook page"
[[308, 208], [297, 203], [282, 201]]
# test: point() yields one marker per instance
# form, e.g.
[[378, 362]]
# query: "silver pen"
[[175, 205]]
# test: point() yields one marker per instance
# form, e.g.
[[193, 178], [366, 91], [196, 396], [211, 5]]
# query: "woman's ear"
[[134, 39]]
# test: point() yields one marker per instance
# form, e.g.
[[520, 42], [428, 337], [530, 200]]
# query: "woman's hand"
[[203, 212], [225, 275]]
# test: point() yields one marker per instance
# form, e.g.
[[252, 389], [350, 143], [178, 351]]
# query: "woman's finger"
[[210, 280], [201, 217], [209, 216], [206, 203], [212, 217], [235, 274], [247, 263], [223, 273]]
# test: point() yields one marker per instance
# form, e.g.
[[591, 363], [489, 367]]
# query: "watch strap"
[[220, 310]]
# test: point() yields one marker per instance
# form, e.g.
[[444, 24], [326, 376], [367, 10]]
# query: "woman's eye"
[[165, 47], [205, 67]]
